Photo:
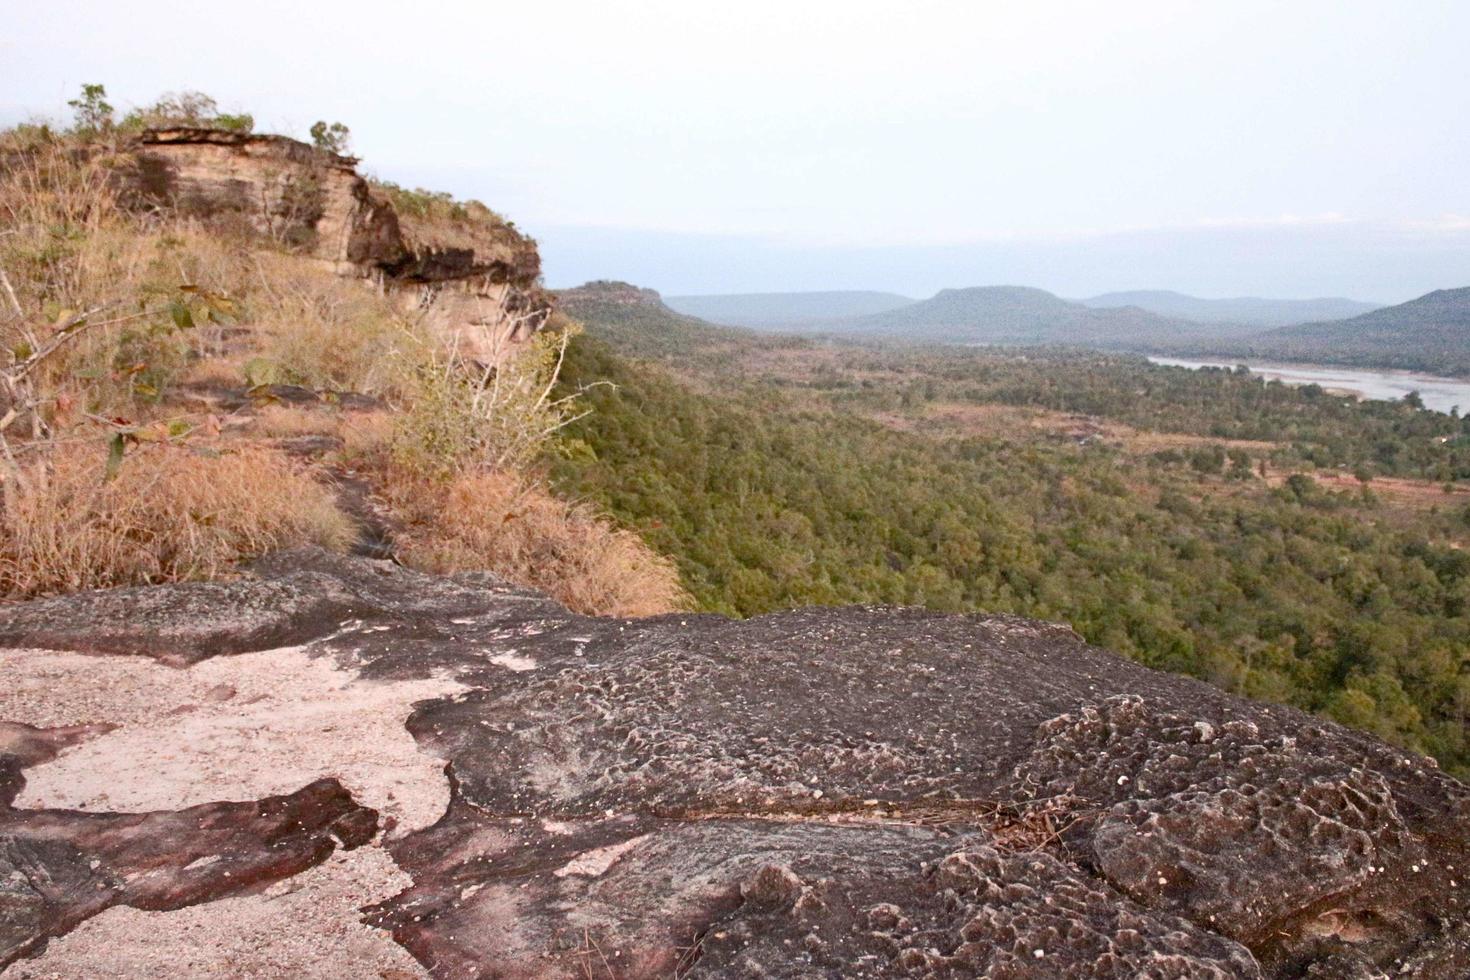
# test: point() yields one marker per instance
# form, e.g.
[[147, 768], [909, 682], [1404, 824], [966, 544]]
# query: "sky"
[[1233, 148]]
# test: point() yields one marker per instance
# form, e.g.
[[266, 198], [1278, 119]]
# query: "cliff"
[[468, 269], [854, 792]]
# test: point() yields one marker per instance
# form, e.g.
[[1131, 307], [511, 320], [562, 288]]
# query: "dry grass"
[[506, 524], [367, 437], [171, 514], [284, 422], [446, 457], [213, 372], [326, 332]]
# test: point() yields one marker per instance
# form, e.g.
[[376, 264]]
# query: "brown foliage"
[[507, 524], [171, 514]]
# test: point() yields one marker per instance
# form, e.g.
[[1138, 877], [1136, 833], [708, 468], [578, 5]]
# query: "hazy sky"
[[1286, 148]]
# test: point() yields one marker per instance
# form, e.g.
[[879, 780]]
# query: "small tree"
[[92, 111], [334, 137]]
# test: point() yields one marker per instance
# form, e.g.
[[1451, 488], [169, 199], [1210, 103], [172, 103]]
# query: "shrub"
[[507, 524], [191, 109], [463, 416], [92, 111], [171, 514], [334, 138]]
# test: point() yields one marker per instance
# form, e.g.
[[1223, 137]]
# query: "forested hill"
[[639, 324], [1431, 333], [1018, 315], [1242, 311]]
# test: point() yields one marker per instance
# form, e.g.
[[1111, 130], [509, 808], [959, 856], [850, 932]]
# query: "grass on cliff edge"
[[199, 488], [178, 515]]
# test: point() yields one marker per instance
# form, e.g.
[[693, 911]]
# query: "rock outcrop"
[[851, 792], [469, 269], [614, 292]]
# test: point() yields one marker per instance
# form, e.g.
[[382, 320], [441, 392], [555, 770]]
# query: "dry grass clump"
[[507, 524], [171, 514], [325, 332], [284, 422]]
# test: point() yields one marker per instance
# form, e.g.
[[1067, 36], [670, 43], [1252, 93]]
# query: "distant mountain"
[[1431, 333], [1250, 311], [1021, 315], [786, 311]]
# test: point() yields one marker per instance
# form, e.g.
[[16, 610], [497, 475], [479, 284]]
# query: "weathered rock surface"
[[832, 792], [475, 276], [60, 867], [300, 195]]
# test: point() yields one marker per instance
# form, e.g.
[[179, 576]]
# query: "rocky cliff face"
[[828, 792], [474, 274]]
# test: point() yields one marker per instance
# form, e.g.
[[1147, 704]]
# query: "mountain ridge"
[[1023, 315], [1429, 333]]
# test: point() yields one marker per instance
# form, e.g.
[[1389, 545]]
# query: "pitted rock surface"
[[975, 911], [1257, 833], [844, 792]]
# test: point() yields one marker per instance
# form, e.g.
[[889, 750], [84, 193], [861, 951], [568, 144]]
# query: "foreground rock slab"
[[828, 792]]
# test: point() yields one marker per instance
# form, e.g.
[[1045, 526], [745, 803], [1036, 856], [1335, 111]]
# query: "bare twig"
[[10, 291]]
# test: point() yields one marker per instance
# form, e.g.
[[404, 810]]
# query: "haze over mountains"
[[1431, 333], [1018, 315], [1252, 310], [785, 311]]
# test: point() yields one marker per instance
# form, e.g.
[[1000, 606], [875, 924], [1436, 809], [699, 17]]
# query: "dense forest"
[[1311, 427], [768, 473]]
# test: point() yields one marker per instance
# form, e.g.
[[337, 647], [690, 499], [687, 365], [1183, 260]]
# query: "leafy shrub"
[[334, 138], [187, 109], [93, 113], [463, 417]]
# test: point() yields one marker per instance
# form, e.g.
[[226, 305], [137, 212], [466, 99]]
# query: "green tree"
[[92, 111], [334, 137]]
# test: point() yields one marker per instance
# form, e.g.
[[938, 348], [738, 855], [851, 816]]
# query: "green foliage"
[[334, 137], [769, 499], [187, 109], [436, 205], [92, 113], [462, 417], [1311, 429]]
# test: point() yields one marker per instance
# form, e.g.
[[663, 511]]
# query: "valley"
[[1274, 540], [1428, 335], [819, 491]]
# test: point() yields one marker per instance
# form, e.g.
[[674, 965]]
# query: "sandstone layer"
[[468, 271]]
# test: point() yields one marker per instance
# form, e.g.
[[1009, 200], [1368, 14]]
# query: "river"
[[1439, 394]]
